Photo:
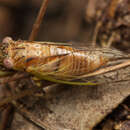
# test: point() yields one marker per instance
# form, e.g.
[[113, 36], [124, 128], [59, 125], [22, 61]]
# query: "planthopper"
[[56, 62]]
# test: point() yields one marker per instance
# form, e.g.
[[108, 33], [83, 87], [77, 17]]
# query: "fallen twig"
[[38, 21]]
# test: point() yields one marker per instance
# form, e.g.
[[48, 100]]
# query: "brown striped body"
[[56, 60]]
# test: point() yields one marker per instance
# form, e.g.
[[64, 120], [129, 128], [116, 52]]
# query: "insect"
[[55, 62]]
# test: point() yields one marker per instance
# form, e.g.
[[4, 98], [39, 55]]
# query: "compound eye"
[[6, 40], [8, 63]]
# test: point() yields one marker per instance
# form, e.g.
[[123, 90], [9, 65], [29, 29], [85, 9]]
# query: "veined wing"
[[46, 43], [49, 71]]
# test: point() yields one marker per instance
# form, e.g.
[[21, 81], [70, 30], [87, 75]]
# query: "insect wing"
[[47, 43], [44, 66]]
